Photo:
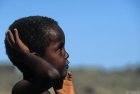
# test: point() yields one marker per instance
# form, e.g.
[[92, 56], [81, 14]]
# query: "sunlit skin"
[[56, 53], [49, 70]]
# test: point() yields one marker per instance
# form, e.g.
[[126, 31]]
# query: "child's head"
[[41, 35]]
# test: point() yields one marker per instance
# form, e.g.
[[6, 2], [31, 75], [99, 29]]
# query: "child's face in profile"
[[55, 53]]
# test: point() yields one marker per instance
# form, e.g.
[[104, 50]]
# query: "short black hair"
[[34, 32]]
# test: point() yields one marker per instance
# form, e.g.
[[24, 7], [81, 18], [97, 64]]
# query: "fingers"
[[15, 42], [10, 38], [17, 39], [18, 42], [22, 47], [7, 39], [69, 76]]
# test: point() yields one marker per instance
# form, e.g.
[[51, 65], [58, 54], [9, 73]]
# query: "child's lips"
[[67, 64]]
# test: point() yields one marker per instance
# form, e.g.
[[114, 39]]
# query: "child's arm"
[[67, 86], [41, 69]]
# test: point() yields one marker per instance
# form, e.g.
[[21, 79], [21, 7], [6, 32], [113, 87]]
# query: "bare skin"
[[44, 74]]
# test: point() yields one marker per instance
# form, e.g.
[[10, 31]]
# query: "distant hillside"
[[86, 81]]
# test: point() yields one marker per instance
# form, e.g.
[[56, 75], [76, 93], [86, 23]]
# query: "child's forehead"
[[56, 35]]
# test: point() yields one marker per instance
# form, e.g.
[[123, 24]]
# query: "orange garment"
[[67, 87]]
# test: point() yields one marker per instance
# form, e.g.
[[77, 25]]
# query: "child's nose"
[[66, 55]]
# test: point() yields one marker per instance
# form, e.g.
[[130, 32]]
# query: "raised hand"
[[14, 41], [42, 70]]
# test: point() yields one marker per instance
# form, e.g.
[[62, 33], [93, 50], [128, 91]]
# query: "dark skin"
[[47, 71]]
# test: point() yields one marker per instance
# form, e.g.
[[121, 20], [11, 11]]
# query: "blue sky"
[[101, 33]]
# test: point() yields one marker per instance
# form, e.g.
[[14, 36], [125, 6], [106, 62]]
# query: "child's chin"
[[64, 74]]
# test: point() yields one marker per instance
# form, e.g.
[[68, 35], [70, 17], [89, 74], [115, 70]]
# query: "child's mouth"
[[67, 64]]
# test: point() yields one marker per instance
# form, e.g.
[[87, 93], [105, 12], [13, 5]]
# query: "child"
[[35, 45]]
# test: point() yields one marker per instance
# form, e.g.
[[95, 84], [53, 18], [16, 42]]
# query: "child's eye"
[[60, 51]]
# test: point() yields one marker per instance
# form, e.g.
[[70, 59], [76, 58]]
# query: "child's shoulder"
[[22, 87], [27, 87]]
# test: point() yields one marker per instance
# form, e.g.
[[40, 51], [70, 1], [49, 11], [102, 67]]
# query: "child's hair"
[[35, 32]]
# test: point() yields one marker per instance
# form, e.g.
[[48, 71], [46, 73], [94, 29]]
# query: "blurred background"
[[102, 38]]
